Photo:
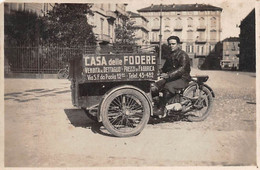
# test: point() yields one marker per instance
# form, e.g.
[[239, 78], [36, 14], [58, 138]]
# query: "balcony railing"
[[156, 27], [201, 28], [178, 28], [201, 41]]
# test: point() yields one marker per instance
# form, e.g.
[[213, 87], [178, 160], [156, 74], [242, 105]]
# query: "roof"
[[251, 16], [180, 7], [231, 39], [136, 15]]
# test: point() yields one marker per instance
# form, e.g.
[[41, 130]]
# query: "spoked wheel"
[[125, 112], [201, 103], [63, 74]]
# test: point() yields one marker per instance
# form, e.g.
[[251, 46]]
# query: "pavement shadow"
[[168, 119], [78, 118], [34, 94]]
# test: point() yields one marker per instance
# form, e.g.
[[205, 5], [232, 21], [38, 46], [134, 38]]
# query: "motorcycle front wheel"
[[201, 101]]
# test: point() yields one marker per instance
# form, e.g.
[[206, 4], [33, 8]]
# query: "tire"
[[125, 112], [205, 103], [63, 74]]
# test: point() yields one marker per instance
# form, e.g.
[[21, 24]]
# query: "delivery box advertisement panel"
[[120, 67]]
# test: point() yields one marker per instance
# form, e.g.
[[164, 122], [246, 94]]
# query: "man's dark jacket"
[[177, 66]]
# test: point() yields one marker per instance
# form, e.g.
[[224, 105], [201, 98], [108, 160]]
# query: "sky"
[[234, 11]]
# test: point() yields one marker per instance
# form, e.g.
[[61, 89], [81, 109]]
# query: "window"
[[102, 6], [156, 22], [213, 35], [213, 22], [178, 22], [233, 48], [167, 22], [201, 36], [109, 29], [20, 7], [202, 22], [189, 35], [101, 26], [167, 34], [178, 34], [189, 49], [190, 22], [155, 36]]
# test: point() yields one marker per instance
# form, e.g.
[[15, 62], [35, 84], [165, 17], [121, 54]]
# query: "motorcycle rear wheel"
[[202, 103]]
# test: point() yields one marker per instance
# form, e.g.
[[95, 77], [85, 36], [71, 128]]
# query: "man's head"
[[173, 42]]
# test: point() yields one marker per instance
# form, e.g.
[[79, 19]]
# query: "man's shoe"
[[160, 113]]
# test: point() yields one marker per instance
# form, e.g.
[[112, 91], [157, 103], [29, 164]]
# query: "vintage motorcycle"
[[115, 89], [126, 111], [193, 102]]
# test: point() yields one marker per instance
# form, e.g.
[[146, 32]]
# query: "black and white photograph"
[[132, 83]]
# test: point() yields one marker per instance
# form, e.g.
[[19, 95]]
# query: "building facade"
[[247, 57], [104, 19], [230, 55], [197, 25], [38, 8], [141, 29]]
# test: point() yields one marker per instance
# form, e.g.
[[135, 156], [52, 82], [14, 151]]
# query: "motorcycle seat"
[[200, 78]]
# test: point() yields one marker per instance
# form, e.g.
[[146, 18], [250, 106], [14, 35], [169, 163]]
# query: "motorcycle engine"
[[174, 104]]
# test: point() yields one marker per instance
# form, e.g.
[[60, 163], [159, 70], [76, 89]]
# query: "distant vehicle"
[[229, 64]]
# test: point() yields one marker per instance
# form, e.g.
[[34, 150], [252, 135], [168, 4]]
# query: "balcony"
[[155, 28], [111, 15], [178, 28], [154, 41], [141, 26], [103, 38], [201, 28], [201, 41]]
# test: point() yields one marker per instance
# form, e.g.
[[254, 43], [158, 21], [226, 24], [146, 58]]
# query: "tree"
[[68, 25], [23, 28], [124, 35]]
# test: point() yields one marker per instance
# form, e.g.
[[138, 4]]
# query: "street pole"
[[160, 40]]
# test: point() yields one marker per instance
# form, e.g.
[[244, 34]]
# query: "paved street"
[[42, 128]]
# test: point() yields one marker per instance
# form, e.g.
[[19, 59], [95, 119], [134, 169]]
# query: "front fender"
[[205, 85]]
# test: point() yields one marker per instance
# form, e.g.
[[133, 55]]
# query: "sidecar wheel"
[[125, 112], [204, 103]]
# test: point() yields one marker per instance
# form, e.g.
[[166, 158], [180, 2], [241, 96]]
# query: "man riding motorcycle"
[[175, 74]]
